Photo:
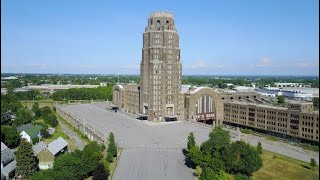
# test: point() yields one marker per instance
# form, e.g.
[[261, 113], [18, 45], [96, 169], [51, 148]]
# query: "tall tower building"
[[160, 70]]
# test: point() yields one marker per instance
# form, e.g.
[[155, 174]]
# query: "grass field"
[[281, 168], [284, 168], [42, 103], [58, 133]]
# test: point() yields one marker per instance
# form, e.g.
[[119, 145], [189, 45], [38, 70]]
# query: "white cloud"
[[265, 62], [199, 64], [307, 64]]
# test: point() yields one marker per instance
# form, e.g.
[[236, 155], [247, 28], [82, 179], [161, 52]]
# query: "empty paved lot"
[[154, 150]]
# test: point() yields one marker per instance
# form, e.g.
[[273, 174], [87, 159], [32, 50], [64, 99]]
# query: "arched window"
[[158, 25]]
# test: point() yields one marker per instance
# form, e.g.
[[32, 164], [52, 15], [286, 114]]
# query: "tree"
[[209, 174], [26, 161], [90, 156], [24, 116], [195, 155], [100, 173], [44, 132], [191, 141], [243, 158], [112, 148], [313, 163], [71, 164], [259, 147], [45, 111], [51, 119], [280, 99], [10, 136], [36, 109]]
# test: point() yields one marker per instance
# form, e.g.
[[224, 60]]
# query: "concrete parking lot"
[[154, 150]]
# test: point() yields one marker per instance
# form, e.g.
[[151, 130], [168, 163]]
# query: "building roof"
[[6, 170], [3, 146], [24, 127], [6, 156], [3, 177], [34, 131], [57, 145], [38, 147]]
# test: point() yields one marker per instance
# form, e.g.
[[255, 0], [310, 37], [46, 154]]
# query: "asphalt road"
[[154, 150]]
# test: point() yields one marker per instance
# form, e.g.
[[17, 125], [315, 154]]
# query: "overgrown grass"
[[309, 147], [82, 136], [283, 167], [246, 131], [271, 138]]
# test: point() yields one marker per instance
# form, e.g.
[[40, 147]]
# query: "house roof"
[[6, 157], [3, 177], [9, 168], [34, 131], [3, 146], [38, 147], [24, 127], [57, 145]]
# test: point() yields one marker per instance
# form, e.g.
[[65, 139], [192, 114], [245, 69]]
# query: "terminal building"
[[161, 97]]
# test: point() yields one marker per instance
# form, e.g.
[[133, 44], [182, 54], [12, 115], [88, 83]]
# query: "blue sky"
[[225, 37]]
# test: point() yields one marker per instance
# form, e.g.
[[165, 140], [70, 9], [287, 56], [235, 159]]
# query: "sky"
[[217, 37]]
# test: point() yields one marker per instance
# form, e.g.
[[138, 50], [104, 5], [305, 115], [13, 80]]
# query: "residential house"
[[31, 133], [24, 127], [8, 163], [47, 153]]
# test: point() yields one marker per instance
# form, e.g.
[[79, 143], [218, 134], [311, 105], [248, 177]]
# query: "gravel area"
[[154, 150]]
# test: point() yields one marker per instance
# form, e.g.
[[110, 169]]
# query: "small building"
[[47, 153], [31, 133], [8, 163]]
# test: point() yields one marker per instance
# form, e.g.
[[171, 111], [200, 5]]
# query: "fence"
[[81, 125]]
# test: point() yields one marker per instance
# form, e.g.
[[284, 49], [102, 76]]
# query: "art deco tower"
[[160, 69]]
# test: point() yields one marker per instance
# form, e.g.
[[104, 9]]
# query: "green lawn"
[[283, 168], [58, 133]]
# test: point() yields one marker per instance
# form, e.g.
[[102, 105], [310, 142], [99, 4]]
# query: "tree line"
[[99, 93]]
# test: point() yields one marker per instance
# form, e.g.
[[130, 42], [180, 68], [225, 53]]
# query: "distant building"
[[47, 153], [298, 121], [8, 163], [51, 88], [291, 85], [295, 92], [244, 89]]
